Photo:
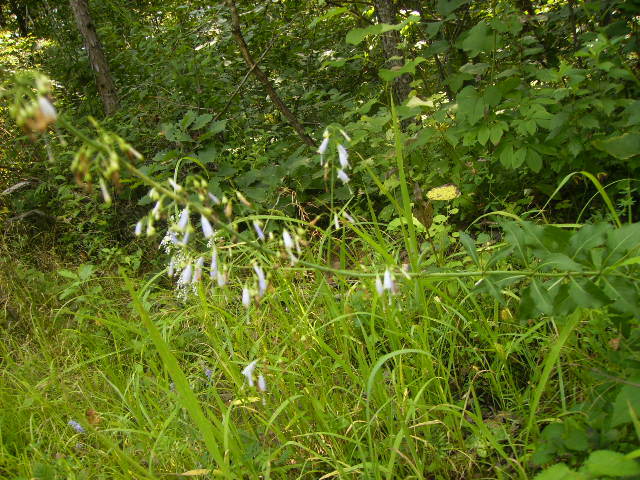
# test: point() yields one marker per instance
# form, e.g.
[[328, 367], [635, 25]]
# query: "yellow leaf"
[[196, 472]]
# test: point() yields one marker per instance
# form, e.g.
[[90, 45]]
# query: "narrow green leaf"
[[470, 247]]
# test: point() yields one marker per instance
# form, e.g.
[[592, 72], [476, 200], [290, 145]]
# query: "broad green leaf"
[[515, 237], [563, 304], [535, 300], [587, 294], [416, 101], [474, 68], [447, 7], [466, 100], [501, 254], [479, 39], [559, 472], [621, 241], [623, 293], [622, 147], [496, 134], [489, 286], [611, 464], [67, 274], [409, 67], [519, 157], [332, 12], [188, 119], [483, 134], [587, 238], [208, 155], [357, 35], [175, 134], [628, 398], [217, 126], [634, 113], [534, 160], [433, 28], [492, 95], [509, 84], [201, 121], [561, 261], [576, 439]]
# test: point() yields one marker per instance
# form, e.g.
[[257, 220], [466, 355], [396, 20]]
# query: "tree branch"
[[262, 77]]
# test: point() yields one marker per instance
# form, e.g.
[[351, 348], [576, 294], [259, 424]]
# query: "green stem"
[[550, 361]]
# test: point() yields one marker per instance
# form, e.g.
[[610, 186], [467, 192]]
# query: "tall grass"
[[359, 386]]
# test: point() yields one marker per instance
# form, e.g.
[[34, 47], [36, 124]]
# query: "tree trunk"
[[262, 77], [104, 82], [386, 13], [21, 18]]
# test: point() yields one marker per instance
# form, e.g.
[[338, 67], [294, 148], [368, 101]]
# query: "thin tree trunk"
[[385, 10], [99, 64], [262, 77]]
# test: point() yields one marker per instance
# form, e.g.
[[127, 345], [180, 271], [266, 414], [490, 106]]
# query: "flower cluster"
[[343, 155], [76, 426], [248, 373], [386, 284]]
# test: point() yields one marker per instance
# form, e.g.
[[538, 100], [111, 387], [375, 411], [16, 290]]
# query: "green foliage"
[[393, 345]]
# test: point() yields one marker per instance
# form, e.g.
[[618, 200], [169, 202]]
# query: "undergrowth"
[[358, 385]]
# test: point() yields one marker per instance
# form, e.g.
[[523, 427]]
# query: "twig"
[[244, 80]]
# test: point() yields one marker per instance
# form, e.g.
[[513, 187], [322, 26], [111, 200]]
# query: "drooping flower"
[[288, 241], [172, 266], [344, 134], [348, 217], [322, 149], [388, 283], [289, 246], [214, 264], [197, 274], [262, 383], [246, 297], [262, 281], [156, 210], [106, 196], [248, 372], [343, 157], [185, 276], [379, 286], [222, 279], [258, 229], [47, 110], [214, 199], [76, 426], [185, 238], [344, 178], [207, 229], [138, 230], [184, 219]]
